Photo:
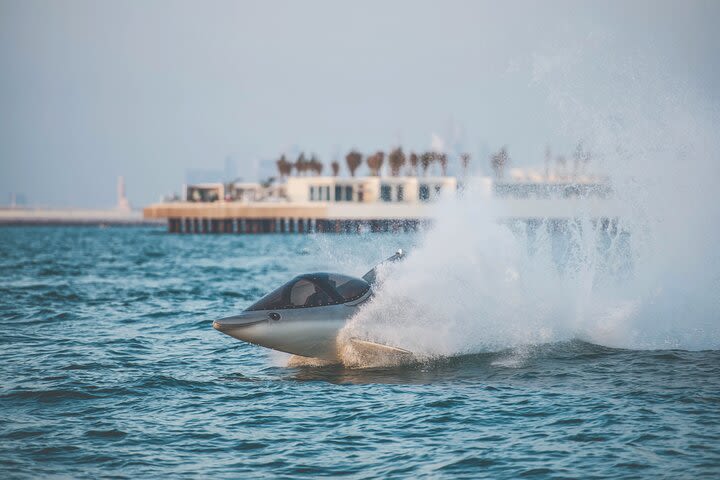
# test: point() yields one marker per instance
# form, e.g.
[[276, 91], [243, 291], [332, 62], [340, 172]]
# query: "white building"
[[406, 190]]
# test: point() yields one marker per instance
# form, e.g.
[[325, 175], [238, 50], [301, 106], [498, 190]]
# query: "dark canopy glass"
[[313, 290]]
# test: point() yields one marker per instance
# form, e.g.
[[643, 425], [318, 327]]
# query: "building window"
[[424, 192], [338, 193], [400, 193], [320, 193], [385, 193], [348, 193]]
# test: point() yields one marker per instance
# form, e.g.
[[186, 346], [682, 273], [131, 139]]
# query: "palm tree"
[[279, 164], [315, 165], [465, 162], [396, 158], [499, 161], [301, 164], [381, 159], [353, 160], [443, 160], [581, 158], [335, 167], [375, 162], [414, 160], [284, 167], [425, 160]]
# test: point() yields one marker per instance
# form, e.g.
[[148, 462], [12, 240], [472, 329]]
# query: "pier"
[[228, 217], [289, 225], [368, 204]]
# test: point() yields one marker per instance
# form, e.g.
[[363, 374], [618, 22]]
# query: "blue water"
[[109, 367]]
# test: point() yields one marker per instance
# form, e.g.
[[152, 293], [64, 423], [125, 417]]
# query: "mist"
[[650, 281]]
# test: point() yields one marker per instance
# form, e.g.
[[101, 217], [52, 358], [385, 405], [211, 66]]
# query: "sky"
[[90, 90]]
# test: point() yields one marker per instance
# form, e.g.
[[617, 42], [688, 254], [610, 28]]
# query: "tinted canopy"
[[313, 290]]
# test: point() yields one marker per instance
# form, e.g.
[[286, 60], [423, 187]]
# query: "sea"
[[110, 368]]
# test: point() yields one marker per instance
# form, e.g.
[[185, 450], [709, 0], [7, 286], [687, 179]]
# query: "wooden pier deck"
[[311, 217]]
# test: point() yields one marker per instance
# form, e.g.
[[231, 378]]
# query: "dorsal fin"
[[371, 275]]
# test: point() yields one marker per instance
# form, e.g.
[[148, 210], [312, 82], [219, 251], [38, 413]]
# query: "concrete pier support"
[[308, 225]]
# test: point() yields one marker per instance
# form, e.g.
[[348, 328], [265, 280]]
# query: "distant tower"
[[122, 201]]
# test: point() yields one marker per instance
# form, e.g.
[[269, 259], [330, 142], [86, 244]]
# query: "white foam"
[[473, 285]]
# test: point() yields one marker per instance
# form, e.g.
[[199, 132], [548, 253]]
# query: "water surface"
[[110, 367]]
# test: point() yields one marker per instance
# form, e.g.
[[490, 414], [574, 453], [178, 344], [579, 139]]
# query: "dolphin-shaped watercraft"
[[304, 316]]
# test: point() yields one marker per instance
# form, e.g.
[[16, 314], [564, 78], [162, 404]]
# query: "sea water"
[[568, 350], [109, 367]]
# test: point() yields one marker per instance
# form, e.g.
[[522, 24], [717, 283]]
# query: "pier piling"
[[297, 225]]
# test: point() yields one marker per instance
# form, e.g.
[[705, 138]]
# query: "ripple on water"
[[110, 367]]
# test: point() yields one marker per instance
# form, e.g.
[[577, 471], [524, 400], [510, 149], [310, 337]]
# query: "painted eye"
[[274, 316]]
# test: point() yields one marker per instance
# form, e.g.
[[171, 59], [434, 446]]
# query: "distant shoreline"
[[73, 223], [73, 217]]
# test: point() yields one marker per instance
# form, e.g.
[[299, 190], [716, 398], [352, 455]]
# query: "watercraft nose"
[[237, 321]]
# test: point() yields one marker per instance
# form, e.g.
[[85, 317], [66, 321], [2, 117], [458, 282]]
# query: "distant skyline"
[[150, 90]]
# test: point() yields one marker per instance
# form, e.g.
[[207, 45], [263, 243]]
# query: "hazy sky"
[[90, 90]]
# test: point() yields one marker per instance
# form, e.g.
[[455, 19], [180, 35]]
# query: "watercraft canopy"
[[313, 290]]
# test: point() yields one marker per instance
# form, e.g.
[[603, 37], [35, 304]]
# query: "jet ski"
[[304, 316]]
